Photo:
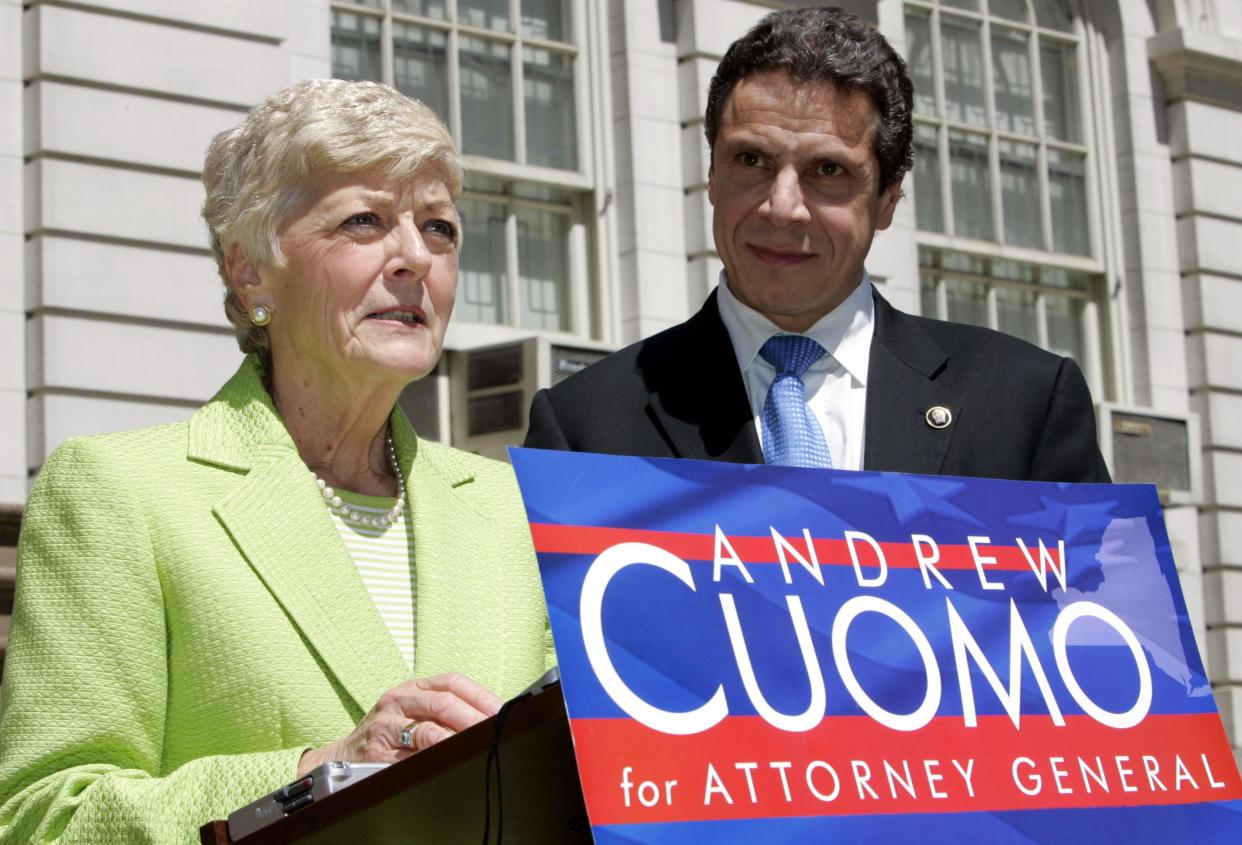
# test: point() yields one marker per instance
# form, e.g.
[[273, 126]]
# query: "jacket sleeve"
[[544, 431], [84, 719], [1068, 449]]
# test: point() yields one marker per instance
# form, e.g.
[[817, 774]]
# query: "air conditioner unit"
[[492, 387], [1148, 447]]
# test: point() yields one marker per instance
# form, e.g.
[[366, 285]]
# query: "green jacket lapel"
[[460, 596], [278, 520]]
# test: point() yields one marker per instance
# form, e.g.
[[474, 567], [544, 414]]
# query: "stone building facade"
[[1078, 184]]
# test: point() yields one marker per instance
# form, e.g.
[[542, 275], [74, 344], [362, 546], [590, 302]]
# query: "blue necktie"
[[791, 434]]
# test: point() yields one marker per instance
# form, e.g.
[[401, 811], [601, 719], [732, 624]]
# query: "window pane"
[[1015, 271], [1017, 306], [928, 207], [485, 14], [1059, 73], [972, 185], [964, 262], [355, 46], [1019, 175], [1052, 14], [973, 5], [486, 98], [961, 49], [927, 295], [966, 302], [484, 184], [426, 8], [481, 288], [1014, 10], [1012, 82], [420, 65], [550, 126], [540, 193], [546, 19], [919, 59], [1057, 278], [1064, 319], [543, 262], [1067, 194], [1015, 313]]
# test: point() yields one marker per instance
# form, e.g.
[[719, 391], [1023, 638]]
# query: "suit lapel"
[[459, 616], [696, 395], [278, 520], [901, 387]]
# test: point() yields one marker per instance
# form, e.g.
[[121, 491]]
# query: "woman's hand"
[[440, 706]]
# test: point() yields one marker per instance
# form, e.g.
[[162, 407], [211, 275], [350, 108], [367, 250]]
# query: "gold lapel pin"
[[938, 417]]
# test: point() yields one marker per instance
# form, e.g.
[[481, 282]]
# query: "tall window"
[[1001, 170], [999, 140], [517, 250], [501, 74], [1047, 306]]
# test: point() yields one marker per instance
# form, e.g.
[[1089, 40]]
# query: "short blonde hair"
[[262, 171]]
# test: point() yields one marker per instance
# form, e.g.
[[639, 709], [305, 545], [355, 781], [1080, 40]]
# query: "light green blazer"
[[187, 620]]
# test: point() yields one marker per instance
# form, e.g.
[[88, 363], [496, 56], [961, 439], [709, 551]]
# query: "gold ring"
[[406, 738]]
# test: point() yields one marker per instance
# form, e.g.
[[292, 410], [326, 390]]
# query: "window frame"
[[578, 178], [1100, 354], [577, 312], [1089, 301], [1037, 37], [578, 183]]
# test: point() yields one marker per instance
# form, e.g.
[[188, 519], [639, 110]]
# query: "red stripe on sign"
[[744, 768], [591, 540]]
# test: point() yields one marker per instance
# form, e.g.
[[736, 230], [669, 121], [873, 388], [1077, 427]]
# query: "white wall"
[[12, 288], [125, 326], [1199, 63], [646, 132]]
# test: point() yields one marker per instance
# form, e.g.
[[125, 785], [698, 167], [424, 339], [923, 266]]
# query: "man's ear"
[[243, 274], [888, 200], [711, 183]]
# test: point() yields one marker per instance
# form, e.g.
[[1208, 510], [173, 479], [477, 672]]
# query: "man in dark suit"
[[809, 124]]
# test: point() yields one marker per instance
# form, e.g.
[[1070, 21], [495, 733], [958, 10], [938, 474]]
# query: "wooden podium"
[[439, 795]]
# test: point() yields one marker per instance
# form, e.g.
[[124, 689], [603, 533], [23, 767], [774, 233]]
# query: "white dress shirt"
[[836, 384]]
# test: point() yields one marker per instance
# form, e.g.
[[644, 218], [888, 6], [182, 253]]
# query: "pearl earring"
[[260, 315]]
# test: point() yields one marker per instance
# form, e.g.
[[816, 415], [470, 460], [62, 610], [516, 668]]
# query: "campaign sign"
[[767, 654]]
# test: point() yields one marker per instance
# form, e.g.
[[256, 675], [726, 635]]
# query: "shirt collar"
[[844, 332]]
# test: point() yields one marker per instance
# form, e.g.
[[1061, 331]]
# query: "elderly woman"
[[206, 610]]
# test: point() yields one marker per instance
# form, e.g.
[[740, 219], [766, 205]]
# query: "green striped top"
[[385, 560]]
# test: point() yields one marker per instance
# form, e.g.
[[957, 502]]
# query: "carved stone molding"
[[1197, 65]]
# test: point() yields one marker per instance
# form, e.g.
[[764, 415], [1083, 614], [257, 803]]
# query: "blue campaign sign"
[[768, 654]]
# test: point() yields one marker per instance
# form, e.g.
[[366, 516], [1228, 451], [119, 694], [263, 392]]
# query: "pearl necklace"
[[335, 503]]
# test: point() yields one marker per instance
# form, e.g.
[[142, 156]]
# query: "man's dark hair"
[[826, 45]]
